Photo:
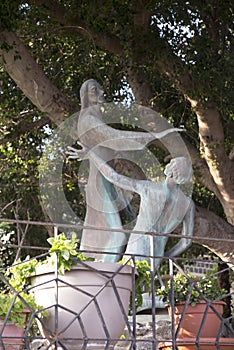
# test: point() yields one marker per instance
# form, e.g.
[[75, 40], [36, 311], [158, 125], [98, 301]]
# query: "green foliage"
[[19, 183], [183, 285], [15, 309], [207, 199], [63, 252], [9, 13], [143, 280], [20, 271], [6, 252], [18, 278]]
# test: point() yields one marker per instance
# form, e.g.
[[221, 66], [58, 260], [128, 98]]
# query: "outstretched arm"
[[118, 140], [107, 171], [111, 175]]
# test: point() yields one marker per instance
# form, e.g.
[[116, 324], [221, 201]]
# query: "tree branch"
[[58, 12], [30, 78], [207, 224]]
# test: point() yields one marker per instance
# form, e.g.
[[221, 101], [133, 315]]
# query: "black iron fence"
[[120, 306]]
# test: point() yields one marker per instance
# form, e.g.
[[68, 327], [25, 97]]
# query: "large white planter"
[[91, 303]]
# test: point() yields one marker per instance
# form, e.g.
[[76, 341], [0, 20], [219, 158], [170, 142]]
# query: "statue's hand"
[[78, 154], [180, 170]]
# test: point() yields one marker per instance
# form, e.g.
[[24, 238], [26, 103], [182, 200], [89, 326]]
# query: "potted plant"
[[194, 300], [15, 309], [17, 305], [87, 301], [196, 307]]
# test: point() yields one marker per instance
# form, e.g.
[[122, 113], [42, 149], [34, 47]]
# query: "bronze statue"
[[102, 214]]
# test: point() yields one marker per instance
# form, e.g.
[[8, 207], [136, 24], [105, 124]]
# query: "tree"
[[176, 56]]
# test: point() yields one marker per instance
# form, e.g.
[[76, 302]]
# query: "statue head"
[[91, 93]]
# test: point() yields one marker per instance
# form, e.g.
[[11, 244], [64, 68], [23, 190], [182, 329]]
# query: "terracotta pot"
[[205, 344], [85, 303], [11, 337], [193, 318]]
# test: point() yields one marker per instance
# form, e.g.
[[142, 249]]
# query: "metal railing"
[[148, 327]]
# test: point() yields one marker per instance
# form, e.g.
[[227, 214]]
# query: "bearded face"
[[91, 94]]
